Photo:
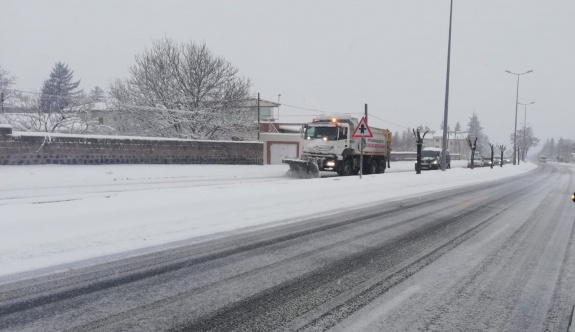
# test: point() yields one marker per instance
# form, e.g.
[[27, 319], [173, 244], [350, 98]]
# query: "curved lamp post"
[[516, 104]]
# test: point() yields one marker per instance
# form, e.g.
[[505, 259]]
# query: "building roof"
[[93, 106], [451, 134], [290, 128], [253, 102]]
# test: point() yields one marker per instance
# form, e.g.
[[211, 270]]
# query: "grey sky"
[[328, 55]]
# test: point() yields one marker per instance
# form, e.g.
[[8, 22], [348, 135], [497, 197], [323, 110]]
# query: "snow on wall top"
[[45, 134]]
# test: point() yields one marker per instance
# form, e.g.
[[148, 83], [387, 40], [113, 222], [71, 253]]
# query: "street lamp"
[[524, 126], [516, 103]]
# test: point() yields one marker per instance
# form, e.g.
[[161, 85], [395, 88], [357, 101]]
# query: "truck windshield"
[[330, 133], [426, 153]]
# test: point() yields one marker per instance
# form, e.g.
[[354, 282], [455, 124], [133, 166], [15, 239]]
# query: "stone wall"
[[37, 148]]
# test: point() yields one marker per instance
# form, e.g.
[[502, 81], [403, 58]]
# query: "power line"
[[335, 113], [395, 124], [316, 110], [51, 95], [303, 108], [148, 108]]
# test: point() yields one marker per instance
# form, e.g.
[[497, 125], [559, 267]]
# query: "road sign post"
[[361, 131], [361, 158]]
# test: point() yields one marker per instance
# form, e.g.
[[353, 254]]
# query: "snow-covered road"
[[516, 274], [497, 254], [56, 214]]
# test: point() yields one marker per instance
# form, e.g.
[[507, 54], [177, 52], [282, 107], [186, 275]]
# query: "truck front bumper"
[[324, 162]]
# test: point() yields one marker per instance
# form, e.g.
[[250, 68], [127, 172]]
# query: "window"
[[329, 133], [265, 113]]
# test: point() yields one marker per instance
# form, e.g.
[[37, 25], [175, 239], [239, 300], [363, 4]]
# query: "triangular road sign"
[[362, 130]]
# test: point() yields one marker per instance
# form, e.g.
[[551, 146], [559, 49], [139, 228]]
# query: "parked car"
[[543, 159], [477, 162], [486, 161], [496, 161]]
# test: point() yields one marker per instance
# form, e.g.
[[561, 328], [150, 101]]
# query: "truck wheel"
[[372, 167], [381, 166], [346, 168]]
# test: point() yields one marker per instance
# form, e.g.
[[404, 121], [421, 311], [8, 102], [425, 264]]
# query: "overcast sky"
[[326, 55]]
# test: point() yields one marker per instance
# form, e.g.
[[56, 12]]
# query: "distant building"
[[97, 111], [281, 140], [456, 143], [267, 109], [267, 116]]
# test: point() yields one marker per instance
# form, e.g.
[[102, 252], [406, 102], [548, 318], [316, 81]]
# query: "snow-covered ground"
[[57, 214]]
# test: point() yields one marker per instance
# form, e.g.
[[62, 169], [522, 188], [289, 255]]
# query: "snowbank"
[[56, 214]]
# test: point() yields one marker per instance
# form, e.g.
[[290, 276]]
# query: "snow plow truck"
[[328, 145]]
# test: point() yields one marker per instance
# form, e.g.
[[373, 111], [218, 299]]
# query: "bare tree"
[[6, 81], [182, 91], [74, 120], [492, 146], [419, 141], [58, 108], [501, 148], [526, 140], [472, 145], [32, 118]]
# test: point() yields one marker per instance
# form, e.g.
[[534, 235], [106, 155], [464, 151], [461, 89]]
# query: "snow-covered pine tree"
[[59, 90], [97, 94], [475, 129]]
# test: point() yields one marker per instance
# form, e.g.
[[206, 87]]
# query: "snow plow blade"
[[303, 169]]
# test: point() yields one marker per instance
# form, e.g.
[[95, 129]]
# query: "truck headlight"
[[330, 163]]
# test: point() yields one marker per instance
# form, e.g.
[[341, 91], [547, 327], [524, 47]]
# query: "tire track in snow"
[[82, 283], [240, 316]]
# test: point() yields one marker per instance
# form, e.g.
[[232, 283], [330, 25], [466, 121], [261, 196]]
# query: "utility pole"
[[444, 145], [279, 95]]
